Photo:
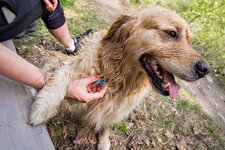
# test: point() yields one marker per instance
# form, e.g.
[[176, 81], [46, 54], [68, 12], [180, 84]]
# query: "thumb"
[[48, 3], [91, 78]]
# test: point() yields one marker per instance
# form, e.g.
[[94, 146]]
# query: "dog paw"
[[41, 111], [104, 145], [38, 115]]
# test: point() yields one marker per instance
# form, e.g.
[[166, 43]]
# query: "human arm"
[[16, 68]]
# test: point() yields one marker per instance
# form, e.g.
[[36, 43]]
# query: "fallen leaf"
[[169, 135]]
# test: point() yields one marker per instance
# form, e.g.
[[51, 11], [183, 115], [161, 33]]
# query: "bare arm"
[[16, 68]]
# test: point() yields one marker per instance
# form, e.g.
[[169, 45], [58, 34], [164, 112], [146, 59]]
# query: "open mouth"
[[162, 80]]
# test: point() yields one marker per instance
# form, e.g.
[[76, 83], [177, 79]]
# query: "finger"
[[92, 87], [89, 90], [95, 89], [98, 89], [91, 79], [97, 95], [90, 97], [55, 4], [49, 5]]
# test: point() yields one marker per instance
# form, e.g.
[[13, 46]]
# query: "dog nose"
[[202, 68]]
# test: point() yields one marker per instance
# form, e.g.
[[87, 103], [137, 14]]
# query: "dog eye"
[[173, 34]]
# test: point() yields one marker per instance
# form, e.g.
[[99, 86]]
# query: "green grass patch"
[[58, 131], [80, 17], [166, 99], [121, 127], [188, 106], [135, 2], [68, 3]]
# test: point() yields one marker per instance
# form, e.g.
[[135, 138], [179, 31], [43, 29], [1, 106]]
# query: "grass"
[[188, 106], [79, 17], [26, 44], [183, 119], [121, 127]]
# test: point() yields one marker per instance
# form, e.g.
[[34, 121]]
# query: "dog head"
[[157, 42]]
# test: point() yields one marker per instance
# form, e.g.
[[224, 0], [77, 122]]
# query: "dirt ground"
[[210, 96]]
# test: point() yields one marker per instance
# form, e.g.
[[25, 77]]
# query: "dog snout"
[[202, 68]]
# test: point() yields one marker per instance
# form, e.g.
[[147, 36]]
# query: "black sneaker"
[[85, 34], [77, 40]]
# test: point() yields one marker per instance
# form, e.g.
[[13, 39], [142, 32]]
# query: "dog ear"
[[120, 30]]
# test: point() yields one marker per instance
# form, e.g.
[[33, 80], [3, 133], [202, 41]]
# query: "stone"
[[209, 79]]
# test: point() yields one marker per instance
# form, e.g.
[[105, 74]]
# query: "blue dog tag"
[[100, 82]]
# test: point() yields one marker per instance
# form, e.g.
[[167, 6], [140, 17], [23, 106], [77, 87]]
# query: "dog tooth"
[[166, 85], [155, 68], [157, 73], [160, 77]]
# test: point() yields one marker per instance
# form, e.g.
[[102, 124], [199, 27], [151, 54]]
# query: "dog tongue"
[[173, 87]]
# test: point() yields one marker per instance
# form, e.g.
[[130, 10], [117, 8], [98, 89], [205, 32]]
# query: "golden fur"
[[115, 56]]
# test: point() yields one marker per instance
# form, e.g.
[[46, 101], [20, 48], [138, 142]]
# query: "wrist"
[[42, 80]]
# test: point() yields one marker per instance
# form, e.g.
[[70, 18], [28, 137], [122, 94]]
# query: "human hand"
[[80, 89], [51, 4], [96, 86]]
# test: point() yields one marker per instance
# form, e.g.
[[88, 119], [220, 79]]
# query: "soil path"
[[110, 9], [210, 96], [205, 91]]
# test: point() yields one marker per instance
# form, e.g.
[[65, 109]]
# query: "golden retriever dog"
[[146, 46]]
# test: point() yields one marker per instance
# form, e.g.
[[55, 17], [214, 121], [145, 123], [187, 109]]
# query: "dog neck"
[[117, 69]]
